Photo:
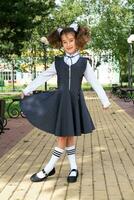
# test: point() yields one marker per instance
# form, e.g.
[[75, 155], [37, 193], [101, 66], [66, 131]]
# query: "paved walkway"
[[13, 132], [105, 160]]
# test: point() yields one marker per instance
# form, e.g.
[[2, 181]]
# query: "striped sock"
[[52, 162], [72, 158]]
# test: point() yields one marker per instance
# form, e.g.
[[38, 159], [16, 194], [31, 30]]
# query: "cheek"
[[74, 44], [64, 45]]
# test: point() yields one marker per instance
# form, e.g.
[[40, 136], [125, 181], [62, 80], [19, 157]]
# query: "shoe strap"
[[73, 170], [44, 172]]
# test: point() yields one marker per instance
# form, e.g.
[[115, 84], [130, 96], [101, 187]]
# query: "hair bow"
[[73, 25]]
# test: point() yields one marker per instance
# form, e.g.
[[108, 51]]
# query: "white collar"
[[71, 58], [72, 55]]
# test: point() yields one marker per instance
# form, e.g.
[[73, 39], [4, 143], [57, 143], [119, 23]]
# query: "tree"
[[17, 21], [111, 23]]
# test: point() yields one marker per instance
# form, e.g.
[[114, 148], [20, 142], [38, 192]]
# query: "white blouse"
[[88, 74]]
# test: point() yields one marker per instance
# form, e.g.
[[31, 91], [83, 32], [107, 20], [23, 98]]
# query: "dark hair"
[[82, 37]]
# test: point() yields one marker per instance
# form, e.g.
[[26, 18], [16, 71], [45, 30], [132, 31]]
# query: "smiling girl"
[[63, 112]]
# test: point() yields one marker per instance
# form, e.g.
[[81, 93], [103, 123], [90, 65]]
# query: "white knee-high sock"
[[72, 158], [52, 162]]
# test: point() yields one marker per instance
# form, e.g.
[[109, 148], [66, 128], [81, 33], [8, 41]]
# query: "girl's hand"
[[22, 95]]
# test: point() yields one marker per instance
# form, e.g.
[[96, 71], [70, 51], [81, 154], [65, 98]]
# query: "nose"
[[68, 44]]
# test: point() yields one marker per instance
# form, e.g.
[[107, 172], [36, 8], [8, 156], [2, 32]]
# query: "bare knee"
[[61, 139], [70, 141], [61, 142]]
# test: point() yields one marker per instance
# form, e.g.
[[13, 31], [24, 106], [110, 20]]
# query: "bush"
[[124, 78]]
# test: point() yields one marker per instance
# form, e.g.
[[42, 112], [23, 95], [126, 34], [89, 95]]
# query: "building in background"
[[105, 68]]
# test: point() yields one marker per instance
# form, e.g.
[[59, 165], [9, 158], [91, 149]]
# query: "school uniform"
[[63, 112]]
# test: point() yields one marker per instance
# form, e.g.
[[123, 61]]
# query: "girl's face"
[[69, 43]]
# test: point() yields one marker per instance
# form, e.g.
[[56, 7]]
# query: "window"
[[7, 75]]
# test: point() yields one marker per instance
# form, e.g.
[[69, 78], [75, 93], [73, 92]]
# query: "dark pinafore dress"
[[62, 112]]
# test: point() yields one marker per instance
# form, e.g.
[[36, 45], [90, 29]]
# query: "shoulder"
[[84, 59], [58, 61], [58, 58], [87, 60]]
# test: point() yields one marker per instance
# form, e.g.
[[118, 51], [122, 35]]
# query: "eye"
[[64, 42]]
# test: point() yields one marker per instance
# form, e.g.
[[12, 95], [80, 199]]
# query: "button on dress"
[[62, 112]]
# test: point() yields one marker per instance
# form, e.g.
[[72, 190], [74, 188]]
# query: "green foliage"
[[69, 11], [17, 21], [111, 24]]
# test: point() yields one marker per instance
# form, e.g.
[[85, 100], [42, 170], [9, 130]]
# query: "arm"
[[91, 78], [42, 78]]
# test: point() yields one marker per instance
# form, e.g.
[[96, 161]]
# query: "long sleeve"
[[91, 78], [42, 78]]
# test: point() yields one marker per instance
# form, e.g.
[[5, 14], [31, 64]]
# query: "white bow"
[[59, 30], [73, 25]]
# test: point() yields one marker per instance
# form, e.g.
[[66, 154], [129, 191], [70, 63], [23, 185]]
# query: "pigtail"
[[83, 37], [54, 39]]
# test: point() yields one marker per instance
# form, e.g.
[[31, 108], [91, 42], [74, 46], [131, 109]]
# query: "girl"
[[63, 112]]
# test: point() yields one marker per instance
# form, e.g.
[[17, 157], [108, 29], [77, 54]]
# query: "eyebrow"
[[68, 39]]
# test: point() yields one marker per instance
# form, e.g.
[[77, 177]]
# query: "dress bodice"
[[70, 77]]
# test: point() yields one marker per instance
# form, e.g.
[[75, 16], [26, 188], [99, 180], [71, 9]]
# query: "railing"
[[13, 108]]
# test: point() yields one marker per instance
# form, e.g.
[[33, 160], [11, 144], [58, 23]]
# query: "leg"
[[61, 142], [50, 167], [70, 149], [56, 154], [71, 141]]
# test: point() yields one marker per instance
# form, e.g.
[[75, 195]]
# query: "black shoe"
[[72, 179], [35, 178]]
